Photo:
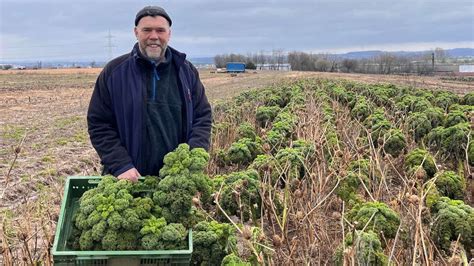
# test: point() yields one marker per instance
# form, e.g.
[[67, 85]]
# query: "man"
[[145, 103]]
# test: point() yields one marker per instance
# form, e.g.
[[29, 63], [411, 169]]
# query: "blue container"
[[235, 67]]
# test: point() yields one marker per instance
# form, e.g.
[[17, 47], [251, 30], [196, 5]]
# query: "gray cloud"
[[42, 30]]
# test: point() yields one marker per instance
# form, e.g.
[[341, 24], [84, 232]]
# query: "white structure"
[[466, 68], [278, 67]]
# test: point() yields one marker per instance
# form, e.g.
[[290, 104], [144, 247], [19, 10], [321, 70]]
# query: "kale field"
[[351, 173], [304, 168]]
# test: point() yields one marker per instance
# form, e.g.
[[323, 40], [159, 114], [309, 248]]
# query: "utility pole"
[[110, 45], [433, 62]]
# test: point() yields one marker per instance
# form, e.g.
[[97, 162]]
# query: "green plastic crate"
[[62, 255]]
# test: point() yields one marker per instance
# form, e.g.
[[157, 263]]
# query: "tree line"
[[251, 60], [384, 63]]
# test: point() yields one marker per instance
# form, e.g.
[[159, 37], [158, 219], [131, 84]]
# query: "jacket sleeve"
[[202, 115], [103, 131]]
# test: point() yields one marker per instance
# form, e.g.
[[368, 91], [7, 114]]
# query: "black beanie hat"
[[152, 11]]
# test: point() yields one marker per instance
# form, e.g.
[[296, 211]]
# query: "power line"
[[109, 44]]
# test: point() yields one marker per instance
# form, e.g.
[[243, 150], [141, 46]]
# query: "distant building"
[[466, 69], [6, 66], [204, 66], [277, 67]]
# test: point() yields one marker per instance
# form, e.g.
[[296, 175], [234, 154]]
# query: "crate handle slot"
[[94, 181]]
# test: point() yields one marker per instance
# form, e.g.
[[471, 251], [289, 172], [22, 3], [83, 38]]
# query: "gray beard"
[[157, 60]]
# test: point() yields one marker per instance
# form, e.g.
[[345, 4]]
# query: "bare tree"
[[349, 65], [261, 58], [322, 65], [219, 61], [405, 65], [424, 65], [294, 60], [277, 58], [386, 61], [440, 55]]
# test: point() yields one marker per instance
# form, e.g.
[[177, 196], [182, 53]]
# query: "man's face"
[[153, 34]]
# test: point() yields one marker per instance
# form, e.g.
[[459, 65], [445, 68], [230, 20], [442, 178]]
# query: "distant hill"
[[457, 52], [460, 52]]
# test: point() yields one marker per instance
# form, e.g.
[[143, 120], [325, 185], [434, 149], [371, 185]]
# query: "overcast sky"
[[77, 30]]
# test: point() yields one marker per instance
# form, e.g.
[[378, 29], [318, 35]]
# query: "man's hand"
[[131, 174]]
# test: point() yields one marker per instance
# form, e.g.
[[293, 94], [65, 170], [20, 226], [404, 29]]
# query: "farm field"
[[44, 139]]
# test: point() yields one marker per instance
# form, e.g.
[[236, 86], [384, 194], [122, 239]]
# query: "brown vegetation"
[[44, 139]]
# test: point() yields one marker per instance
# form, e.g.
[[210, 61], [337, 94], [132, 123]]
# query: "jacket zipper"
[[155, 78]]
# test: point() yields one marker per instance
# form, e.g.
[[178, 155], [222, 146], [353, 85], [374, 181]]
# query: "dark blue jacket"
[[118, 104]]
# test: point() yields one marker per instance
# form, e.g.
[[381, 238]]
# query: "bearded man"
[[146, 102]]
